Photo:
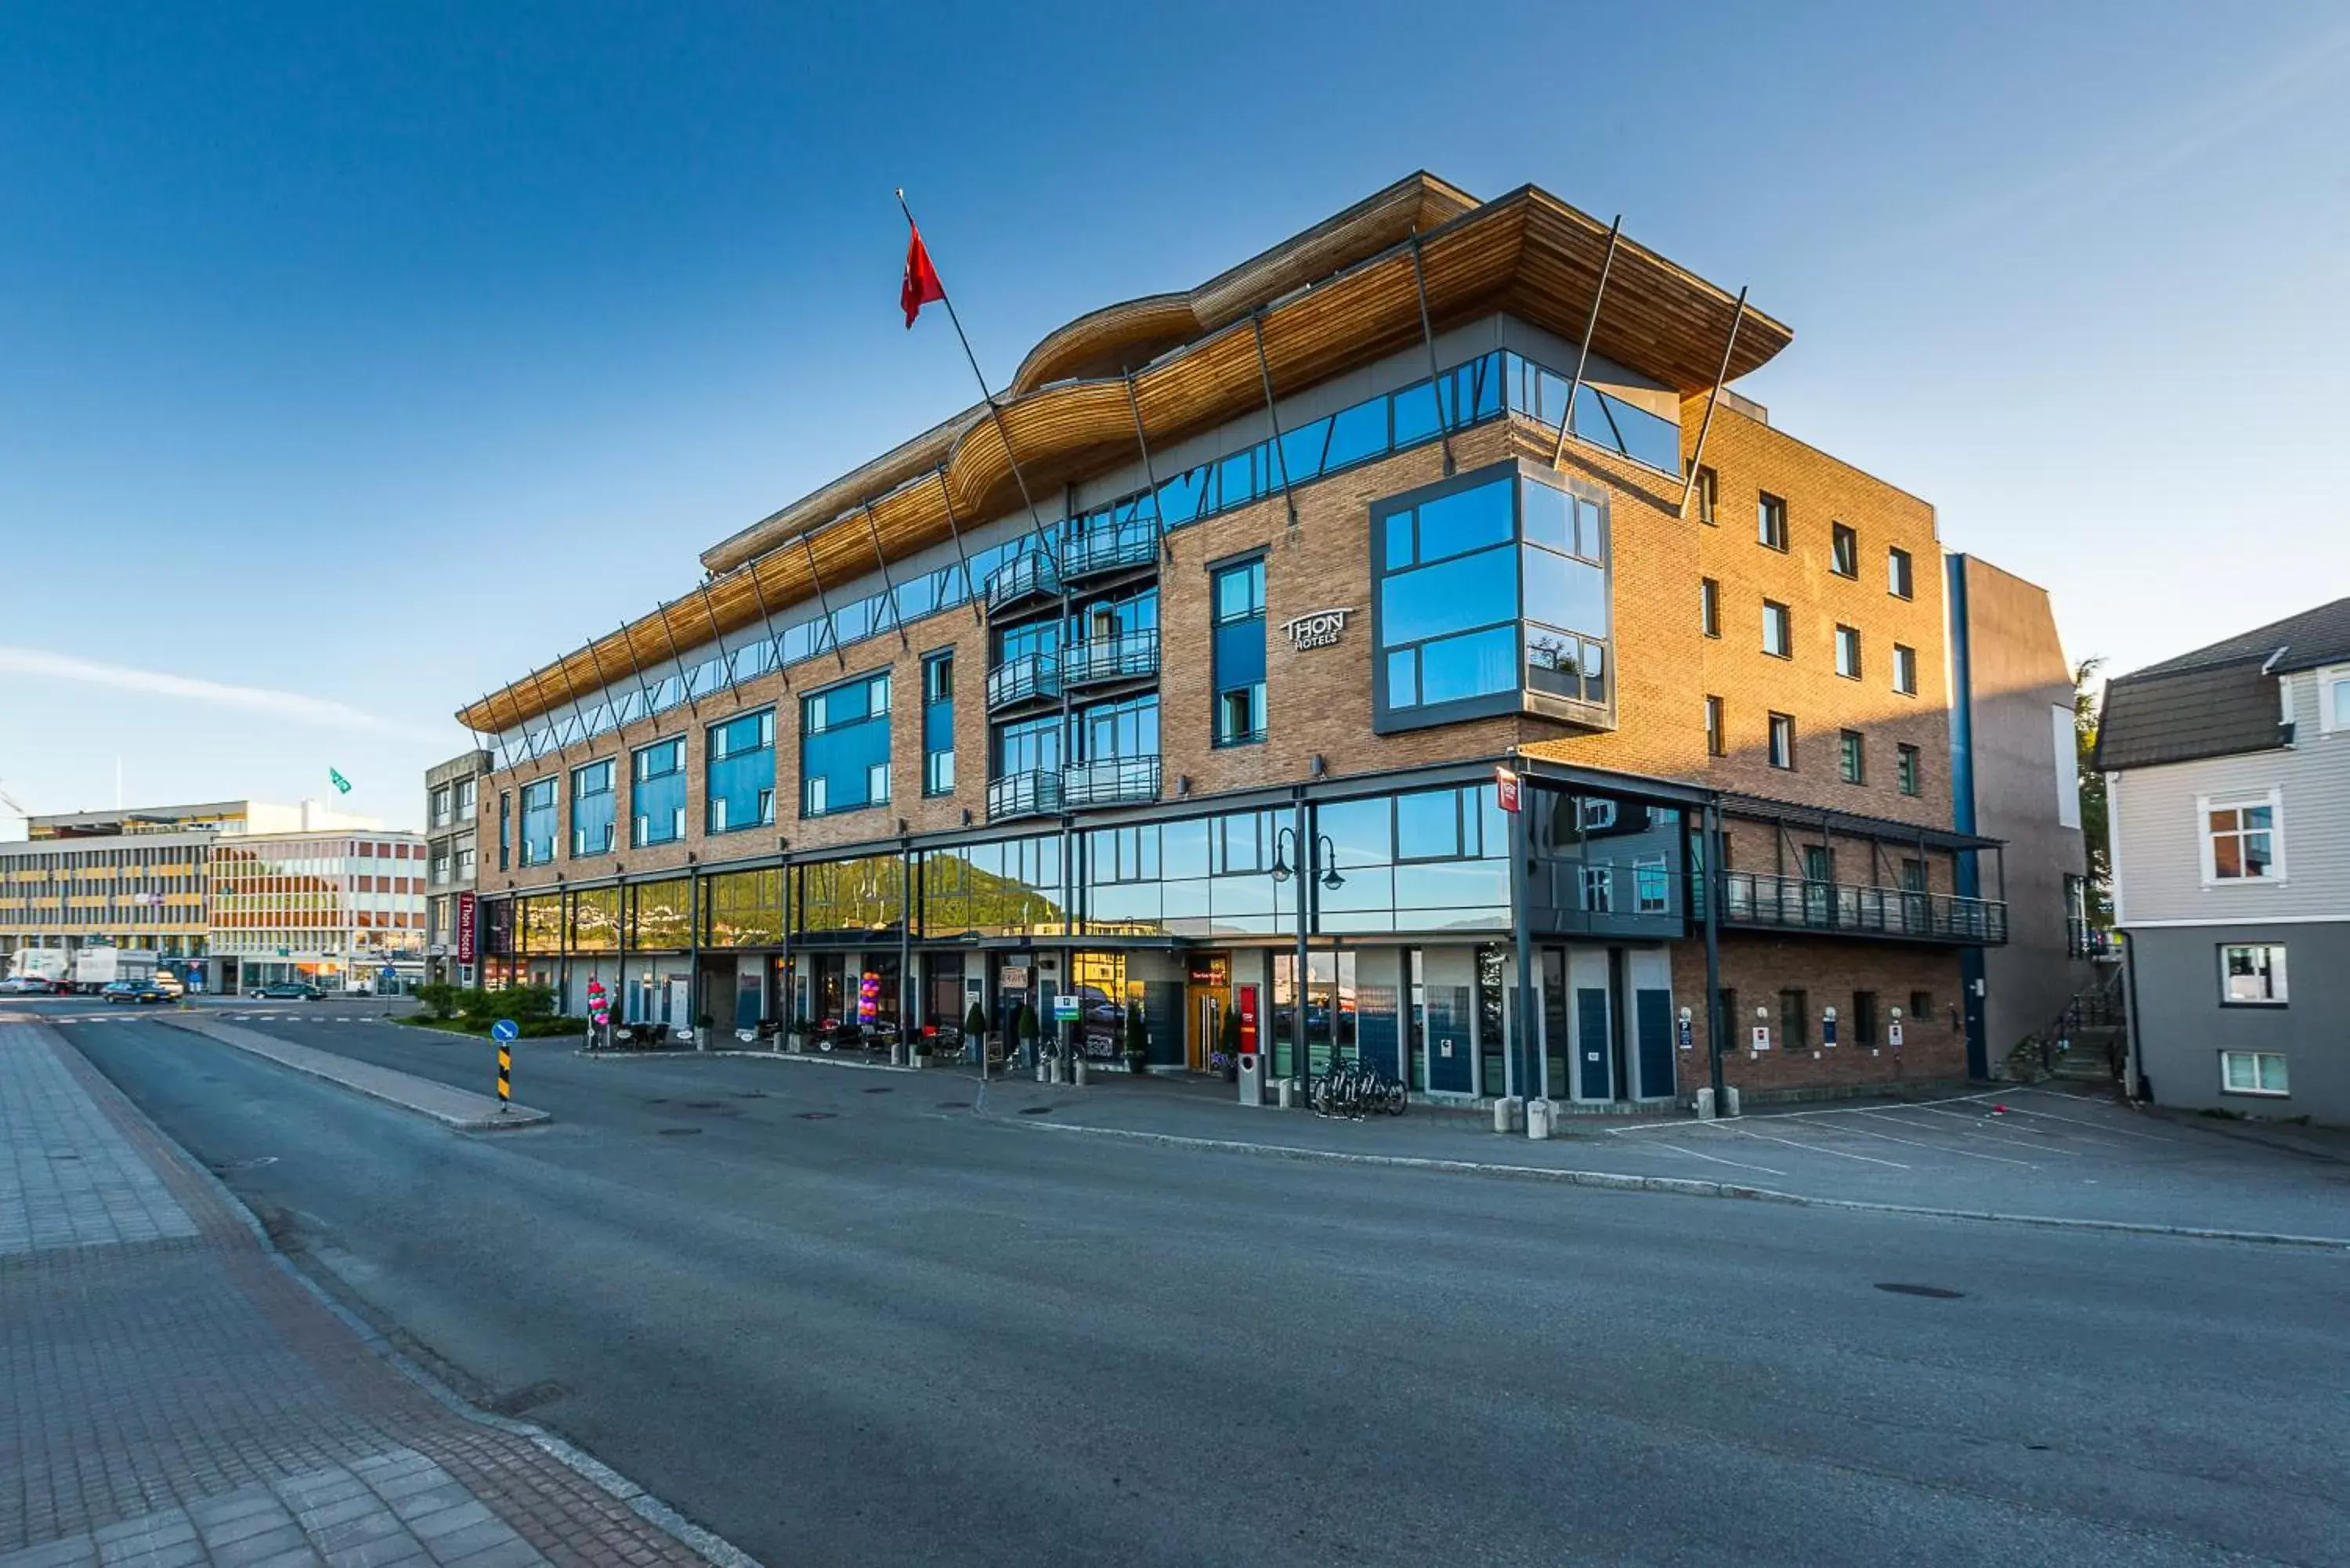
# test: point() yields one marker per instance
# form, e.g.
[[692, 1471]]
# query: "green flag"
[[342, 784]]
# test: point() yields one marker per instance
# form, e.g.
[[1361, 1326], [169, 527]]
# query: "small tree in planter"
[[1023, 1026], [1227, 1047], [1138, 1041], [974, 1031]]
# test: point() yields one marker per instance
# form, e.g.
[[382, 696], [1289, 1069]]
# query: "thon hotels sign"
[[1322, 629]]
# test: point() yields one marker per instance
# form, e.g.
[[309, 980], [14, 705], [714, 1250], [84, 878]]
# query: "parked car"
[[25, 985], [291, 991], [133, 990]]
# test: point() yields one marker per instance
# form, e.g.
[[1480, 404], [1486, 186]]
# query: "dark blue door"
[[1451, 1053], [1654, 1011], [1592, 1079]]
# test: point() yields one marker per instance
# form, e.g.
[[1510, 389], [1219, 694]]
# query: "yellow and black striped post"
[[506, 1077]]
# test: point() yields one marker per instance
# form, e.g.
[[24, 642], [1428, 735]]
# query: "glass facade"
[[857, 897], [657, 802], [1490, 590], [592, 806], [1011, 887], [1485, 387], [744, 909], [661, 915], [1238, 649], [844, 747], [740, 791], [538, 822], [596, 919]]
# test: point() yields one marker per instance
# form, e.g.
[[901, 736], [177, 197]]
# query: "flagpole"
[[994, 412]]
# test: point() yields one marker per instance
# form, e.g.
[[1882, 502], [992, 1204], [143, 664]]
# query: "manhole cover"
[[818, 1116], [516, 1401], [1936, 1291], [1034, 1110], [954, 1105], [702, 1105], [883, 1089], [750, 1094], [678, 1132]]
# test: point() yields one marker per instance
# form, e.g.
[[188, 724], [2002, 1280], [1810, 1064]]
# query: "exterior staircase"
[[2088, 1041]]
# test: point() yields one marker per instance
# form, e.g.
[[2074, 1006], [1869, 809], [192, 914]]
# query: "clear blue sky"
[[366, 357]]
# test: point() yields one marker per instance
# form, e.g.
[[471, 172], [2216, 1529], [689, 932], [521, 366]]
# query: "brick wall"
[[1828, 971]]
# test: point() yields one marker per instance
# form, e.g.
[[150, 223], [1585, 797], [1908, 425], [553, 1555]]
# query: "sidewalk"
[[453, 1107], [177, 1397]]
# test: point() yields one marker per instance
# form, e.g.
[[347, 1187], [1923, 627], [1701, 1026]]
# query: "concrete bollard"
[[1705, 1105], [1509, 1114], [1040, 1073], [1540, 1119], [1730, 1099], [1055, 1070], [1082, 1071], [1288, 1093]]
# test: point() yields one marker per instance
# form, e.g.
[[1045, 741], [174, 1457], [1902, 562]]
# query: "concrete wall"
[[2016, 674], [2182, 1027]]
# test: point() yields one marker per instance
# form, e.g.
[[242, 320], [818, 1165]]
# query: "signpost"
[[505, 1031]]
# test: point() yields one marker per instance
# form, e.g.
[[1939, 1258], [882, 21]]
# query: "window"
[[1237, 647], [1794, 1021], [1844, 552], [1652, 885], [1897, 573], [1443, 825], [1905, 669], [1852, 757], [2241, 841], [538, 822], [2252, 1072], [1492, 596], [441, 806], [845, 746], [2252, 974], [1863, 1018], [2333, 699], [1904, 767], [592, 800], [740, 762], [465, 800], [1709, 607], [657, 795], [1715, 744], [1770, 521], [465, 863], [1783, 741], [505, 830], [1921, 1007], [1599, 889], [1708, 490], [1847, 652], [938, 724]]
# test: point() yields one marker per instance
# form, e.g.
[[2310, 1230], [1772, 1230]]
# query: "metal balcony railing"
[[1797, 903], [2082, 940], [1118, 782], [1134, 542], [1026, 577], [1036, 792], [1025, 679], [1133, 657]]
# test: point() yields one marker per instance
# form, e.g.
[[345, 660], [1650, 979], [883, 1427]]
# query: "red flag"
[[922, 285]]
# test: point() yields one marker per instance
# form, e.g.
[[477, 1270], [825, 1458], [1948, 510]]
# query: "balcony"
[[1099, 551], [2083, 941], [1103, 659], [1120, 780], [1030, 576], [1036, 792], [1029, 678], [1760, 899]]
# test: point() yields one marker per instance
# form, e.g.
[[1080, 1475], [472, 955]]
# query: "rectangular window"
[[845, 746], [657, 794], [465, 800], [1844, 552], [441, 806], [738, 761], [1783, 741], [465, 864], [1863, 1023], [1852, 757], [1921, 1007], [2252, 974], [2333, 700], [1904, 767], [1778, 630], [1237, 650], [505, 830], [1794, 1021], [2253, 1073], [1652, 885], [2239, 842], [1905, 670], [1709, 607], [1847, 652], [592, 800], [538, 822], [1770, 521], [1708, 495], [1897, 573], [1715, 743], [938, 724]]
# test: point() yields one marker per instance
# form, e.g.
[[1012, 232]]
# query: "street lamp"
[[1285, 843], [1324, 849]]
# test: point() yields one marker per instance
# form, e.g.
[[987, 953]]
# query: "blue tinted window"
[[1301, 452], [1429, 825], [1235, 479], [938, 724], [1467, 591], [538, 822], [1464, 521], [1361, 831], [1476, 664], [1357, 433], [844, 747], [592, 802], [1415, 414], [1237, 651], [1566, 592], [657, 795], [740, 791]]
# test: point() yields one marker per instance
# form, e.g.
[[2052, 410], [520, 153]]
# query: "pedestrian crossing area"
[[118, 1015]]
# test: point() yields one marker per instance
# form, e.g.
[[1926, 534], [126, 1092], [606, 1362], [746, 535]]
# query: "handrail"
[[1133, 543], [1026, 574], [1022, 677], [1800, 903], [1129, 656], [1036, 791], [1116, 781]]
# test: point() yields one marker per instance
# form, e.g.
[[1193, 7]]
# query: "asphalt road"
[[840, 1325]]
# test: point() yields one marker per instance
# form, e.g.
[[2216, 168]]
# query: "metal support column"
[[1590, 324], [684, 676], [971, 590], [873, 531], [693, 1009], [1428, 337], [1526, 1060], [1705, 426], [1301, 1066], [831, 631], [1134, 405], [1273, 418], [774, 641]]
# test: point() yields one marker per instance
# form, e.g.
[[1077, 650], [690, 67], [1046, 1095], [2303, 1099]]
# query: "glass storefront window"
[[746, 907], [854, 897], [663, 915], [596, 919]]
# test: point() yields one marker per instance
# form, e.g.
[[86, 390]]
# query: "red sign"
[[465, 928], [1505, 786], [1248, 1018]]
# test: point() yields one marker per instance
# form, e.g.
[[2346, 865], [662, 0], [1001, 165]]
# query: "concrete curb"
[[816, 1059], [1618, 1181], [519, 1117], [708, 1543]]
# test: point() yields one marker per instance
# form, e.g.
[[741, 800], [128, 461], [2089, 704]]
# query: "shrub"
[[1138, 1040], [975, 1023], [440, 999]]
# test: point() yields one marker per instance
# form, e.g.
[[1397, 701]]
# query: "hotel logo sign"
[[1322, 629]]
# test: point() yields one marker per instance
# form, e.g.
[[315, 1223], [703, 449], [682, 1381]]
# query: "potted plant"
[[1138, 1041], [1024, 1028], [975, 1030], [1227, 1057]]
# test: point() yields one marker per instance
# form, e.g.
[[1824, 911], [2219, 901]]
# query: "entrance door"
[[1650, 974], [1207, 1005], [677, 1002], [1595, 1075]]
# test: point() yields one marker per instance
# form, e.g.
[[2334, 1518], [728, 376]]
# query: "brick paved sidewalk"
[[172, 1396]]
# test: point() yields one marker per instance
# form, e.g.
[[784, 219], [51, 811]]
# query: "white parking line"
[[1739, 1163], [1937, 1147], [1817, 1148], [1975, 1125], [2083, 1121]]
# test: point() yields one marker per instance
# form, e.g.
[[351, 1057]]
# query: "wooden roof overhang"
[[1526, 253]]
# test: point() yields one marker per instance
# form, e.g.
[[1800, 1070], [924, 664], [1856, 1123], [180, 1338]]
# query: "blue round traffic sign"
[[503, 1030]]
